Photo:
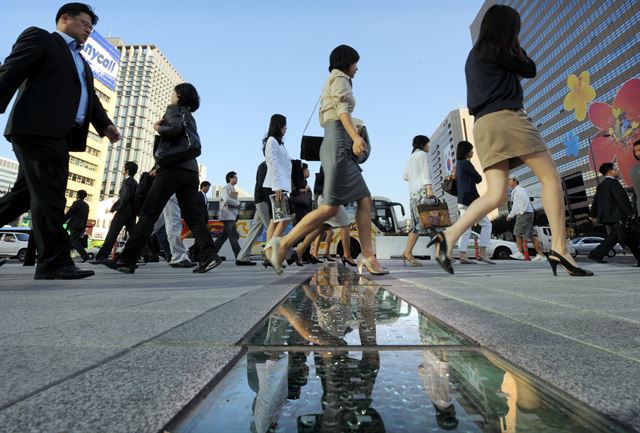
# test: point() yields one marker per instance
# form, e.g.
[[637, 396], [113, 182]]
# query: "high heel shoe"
[[314, 260], [328, 258], [273, 261], [412, 261], [440, 244], [295, 258], [364, 263], [556, 259], [348, 260]]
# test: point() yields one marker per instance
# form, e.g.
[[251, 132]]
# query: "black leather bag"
[[365, 136], [629, 231], [310, 148], [450, 186], [172, 150]]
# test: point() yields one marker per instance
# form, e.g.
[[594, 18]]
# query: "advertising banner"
[[103, 58]]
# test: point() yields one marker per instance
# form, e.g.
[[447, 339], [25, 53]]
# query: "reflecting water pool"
[[385, 391], [353, 315]]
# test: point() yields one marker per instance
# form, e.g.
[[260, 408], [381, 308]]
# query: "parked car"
[[497, 249], [13, 244], [585, 244]]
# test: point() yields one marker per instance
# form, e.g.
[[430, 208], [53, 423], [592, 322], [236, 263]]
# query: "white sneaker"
[[539, 258], [517, 256]]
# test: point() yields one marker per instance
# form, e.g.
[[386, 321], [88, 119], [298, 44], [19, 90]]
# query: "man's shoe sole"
[[64, 277]]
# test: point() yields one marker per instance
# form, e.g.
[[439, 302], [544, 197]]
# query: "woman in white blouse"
[[278, 177], [419, 178]]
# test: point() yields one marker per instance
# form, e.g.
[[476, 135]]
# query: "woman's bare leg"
[[495, 196], [545, 170], [363, 222], [411, 243], [311, 221], [346, 241]]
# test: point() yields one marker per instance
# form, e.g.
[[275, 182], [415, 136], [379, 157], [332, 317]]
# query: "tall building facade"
[[8, 174], [566, 37], [143, 91], [456, 126]]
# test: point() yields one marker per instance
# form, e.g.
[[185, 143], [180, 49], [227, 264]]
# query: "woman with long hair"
[[417, 174], [343, 181], [278, 178], [505, 136]]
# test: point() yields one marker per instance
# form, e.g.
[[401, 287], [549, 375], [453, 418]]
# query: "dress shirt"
[[521, 203], [278, 166], [75, 49], [337, 97], [417, 171]]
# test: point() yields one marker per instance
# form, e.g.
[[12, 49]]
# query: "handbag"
[[450, 186], [184, 147], [434, 215], [629, 231], [310, 144], [362, 130]]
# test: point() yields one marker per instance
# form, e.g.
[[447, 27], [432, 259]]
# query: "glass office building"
[[567, 37]]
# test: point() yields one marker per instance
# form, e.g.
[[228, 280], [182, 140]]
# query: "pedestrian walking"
[[76, 219], [467, 177], [171, 222], [125, 216], [179, 177], [418, 175], [50, 117], [611, 206], [229, 206], [522, 211], [343, 176], [635, 177], [505, 136], [278, 177], [194, 250], [260, 220]]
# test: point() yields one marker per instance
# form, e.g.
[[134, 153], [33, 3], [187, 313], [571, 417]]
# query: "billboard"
[[103, 58]]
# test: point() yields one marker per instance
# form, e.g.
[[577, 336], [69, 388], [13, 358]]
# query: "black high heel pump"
[[348, 261], [440, 244], [556, 259]]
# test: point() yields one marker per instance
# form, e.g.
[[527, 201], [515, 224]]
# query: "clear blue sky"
[[250, 59]]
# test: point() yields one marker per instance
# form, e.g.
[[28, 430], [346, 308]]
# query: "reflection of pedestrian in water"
[[434, 372]]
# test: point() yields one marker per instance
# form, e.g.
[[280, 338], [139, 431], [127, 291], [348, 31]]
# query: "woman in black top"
[[179, 178], [505, 136], [467, 177]]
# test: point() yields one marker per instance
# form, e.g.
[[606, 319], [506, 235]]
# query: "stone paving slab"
[[547, 325], [122, 353]]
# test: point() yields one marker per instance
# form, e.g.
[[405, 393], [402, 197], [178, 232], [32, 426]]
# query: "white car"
[[497, 249], [13, 244], [585, 244]]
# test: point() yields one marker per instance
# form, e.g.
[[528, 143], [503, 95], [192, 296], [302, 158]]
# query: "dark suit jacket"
[[126, 197], [611, 203], [41, 65], [466, 179], [77, 215]]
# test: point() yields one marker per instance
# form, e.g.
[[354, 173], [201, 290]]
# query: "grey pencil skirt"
[[343, 181]]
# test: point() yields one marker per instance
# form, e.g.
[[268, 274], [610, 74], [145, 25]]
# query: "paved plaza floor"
[[119, 353]]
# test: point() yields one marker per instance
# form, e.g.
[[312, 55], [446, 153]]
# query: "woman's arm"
[[171, 122], [340, 91], [471, 171], [524, 67]]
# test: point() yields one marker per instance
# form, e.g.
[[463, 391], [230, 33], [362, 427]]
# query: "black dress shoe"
[[245, 263], [67, 273], [207, 265], [125, 268], [97, 261], [3, 261], [596, 259]]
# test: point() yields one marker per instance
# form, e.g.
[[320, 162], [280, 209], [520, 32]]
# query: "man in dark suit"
[[125, 212], [205, 185], [76, 218], [610, 206], [56, 102]]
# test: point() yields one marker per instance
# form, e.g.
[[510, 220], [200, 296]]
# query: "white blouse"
[[337, 97], [417, 171], [278, 166]]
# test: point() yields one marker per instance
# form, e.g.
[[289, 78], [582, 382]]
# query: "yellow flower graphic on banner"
[[580, 94]]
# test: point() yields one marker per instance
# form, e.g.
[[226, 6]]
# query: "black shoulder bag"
[[175, 149], [310, 144]]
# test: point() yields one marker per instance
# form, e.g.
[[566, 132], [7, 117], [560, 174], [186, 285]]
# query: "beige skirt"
[[506, 135]]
